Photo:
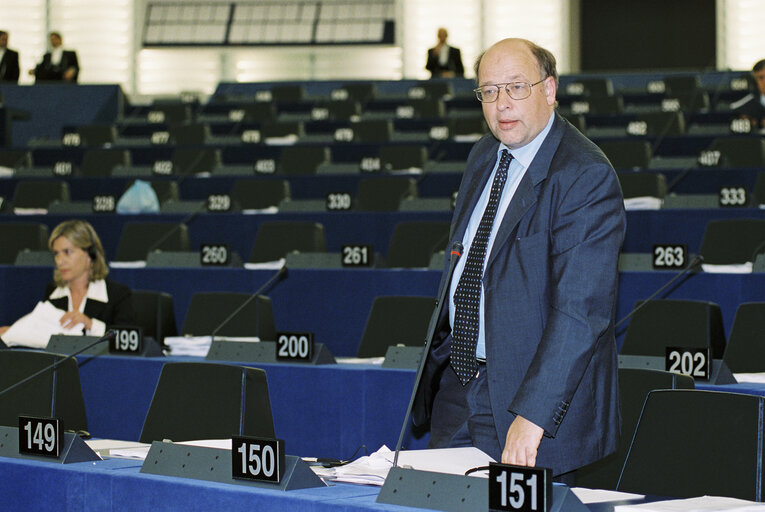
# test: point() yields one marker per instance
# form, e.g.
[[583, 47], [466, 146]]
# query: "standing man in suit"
[[523, 360], [9, 61], [58, 65], [444, 61]]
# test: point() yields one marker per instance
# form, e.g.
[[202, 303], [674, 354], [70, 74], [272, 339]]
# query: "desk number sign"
[[128, 340], [693, 362], [40, 436], [258, 459], [294, 346], [519, 488]]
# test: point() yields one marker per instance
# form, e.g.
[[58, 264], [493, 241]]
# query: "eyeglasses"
[[516, 90]]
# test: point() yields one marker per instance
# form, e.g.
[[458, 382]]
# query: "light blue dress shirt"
[[522, 158]]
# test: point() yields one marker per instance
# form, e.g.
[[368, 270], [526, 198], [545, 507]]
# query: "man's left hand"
[[522, 442]]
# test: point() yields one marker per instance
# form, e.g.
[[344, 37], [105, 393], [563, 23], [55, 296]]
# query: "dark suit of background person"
[[752, 106], [47, 71], [549, 300], [453, 65], [9, 63]]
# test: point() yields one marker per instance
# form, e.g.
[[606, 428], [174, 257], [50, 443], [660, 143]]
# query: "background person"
[[9, 60], [523, 360], [444, 61], [58, 65], [752, 106], [80, 286]]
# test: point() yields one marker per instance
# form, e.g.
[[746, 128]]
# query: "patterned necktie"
[[467, 296]]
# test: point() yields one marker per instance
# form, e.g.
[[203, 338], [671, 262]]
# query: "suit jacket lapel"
[[525, 196]]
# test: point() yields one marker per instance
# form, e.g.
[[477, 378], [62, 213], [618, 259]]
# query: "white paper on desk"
[[756, 378], [256, 211], [700, 504], [360, 360], [128, 264], [374, 468], [30, 211], [107, 447], [199, 345], [36, 328], [643, 203], [738, 268], [267, 265], [6, 172], [586, 495]]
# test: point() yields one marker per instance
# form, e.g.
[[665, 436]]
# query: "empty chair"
[[741, 151], [681, 84], [96, 135], [39, 194], [17, 236], [361, 92], [302, 160], [189, 134], [589, 87], [399, 157], [467, 127], [196, 160], [208, 313], [643, 184], [372, 130], [140, 238], [431, 89], [53, 394], [663, 123], [275, 239], [257, 112], [694, 443], [287, 93], [99, 162], [252, 194], [169, 113], [732, 241], [395, 320], [634, 386], [662, 323], [414, 243], [428, 108], [602, 105], [628, 153], [281, 129], [15, 158], [166, 190], [208, 401], [745, 351], [155, 314], [759, 189], [338, 110], [385, 193]]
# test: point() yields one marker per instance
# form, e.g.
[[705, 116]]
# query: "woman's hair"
[[82, 235]]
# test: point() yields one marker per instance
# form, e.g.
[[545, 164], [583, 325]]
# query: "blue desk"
[[322, 411]]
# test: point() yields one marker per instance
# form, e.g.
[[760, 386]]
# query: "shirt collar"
[[525, 155], [96, 291]]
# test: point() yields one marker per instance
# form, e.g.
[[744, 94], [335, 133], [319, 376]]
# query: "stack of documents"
[[199, 346]]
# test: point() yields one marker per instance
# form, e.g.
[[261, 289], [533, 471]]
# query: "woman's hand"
[[72, 318]]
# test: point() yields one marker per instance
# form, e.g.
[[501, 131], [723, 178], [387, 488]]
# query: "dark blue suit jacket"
[[550, 297]]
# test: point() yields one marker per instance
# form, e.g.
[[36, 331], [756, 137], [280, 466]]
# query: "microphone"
[[110, 336], [697, 260], [454, 257], [282, 272]]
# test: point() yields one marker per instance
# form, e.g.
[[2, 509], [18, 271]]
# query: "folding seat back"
[[208, 401], [140, 238], [379, 194], [414, 243], [275, 239], [209, 313], [254, 194], [395, 320], [18, 236]]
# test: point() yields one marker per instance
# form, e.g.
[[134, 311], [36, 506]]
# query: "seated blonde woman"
[[80, 287]]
